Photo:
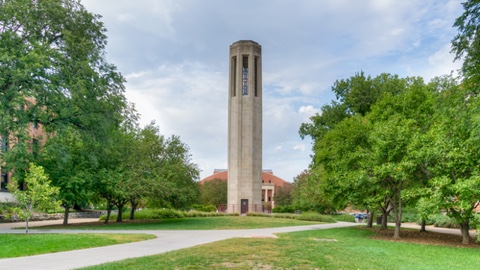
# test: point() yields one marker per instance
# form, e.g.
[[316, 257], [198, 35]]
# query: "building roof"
[[267, 177]]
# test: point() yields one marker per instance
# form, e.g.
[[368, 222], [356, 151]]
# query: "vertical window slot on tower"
[[234, 76], [256, 76], [245, 76]]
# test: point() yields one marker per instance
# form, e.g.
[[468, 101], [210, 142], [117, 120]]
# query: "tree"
[[308, 194], [283, 195], [69, 160], [53, 72], [455, 148], [39, 194], [213, 192], [176, 184], [466, 44]]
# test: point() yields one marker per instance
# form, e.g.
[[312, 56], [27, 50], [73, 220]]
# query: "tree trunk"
[[422, 226], [109, 211], [65, 215], [370, 219], [133, 207], [465, 227], [26, 224], [120, 210], [384, 218], [398, 217]]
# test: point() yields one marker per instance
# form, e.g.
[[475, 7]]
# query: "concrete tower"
[[245, 127]]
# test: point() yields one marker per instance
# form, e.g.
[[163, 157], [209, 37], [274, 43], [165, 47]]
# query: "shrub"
[[284, 209], [443, 221], [313, 216], [258, 214], [410, 217], [7, 207], [344, 217], [204, 208], [285, 215]]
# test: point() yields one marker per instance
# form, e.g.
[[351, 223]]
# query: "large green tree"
[[53, 72], [213, 192], [454, 148], [466, 44]]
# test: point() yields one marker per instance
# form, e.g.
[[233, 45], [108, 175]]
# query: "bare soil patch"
[[425, 238]]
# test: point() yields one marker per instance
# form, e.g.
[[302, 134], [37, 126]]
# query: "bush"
[[286, 215], [259, 214], [344, 217], [204, 208], [443, 221], [7, 207], [313, 216], [410, 217], [150, 214], [284, 209]]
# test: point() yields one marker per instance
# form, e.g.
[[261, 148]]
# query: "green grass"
[[17, 245], [207, 223], [346, 248]]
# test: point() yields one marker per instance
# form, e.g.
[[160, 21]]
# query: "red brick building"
[[270, 183], [7, 141]]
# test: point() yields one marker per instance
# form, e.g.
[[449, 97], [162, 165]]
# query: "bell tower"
[[245, 127]]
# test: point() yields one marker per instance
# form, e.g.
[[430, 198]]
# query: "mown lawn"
[[198, 223], [17, 245], [346, 248]]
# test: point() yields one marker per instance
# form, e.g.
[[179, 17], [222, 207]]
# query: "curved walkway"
[[165, 241]]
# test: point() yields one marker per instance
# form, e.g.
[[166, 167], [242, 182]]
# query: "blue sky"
[[174, 55]]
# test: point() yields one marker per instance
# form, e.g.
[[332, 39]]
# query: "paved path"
[[165, 241]]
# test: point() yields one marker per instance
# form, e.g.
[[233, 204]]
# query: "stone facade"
[[245, 127]]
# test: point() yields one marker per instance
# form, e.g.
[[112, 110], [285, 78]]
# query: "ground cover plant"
[[345, 248], [17, 245], [206, 223]]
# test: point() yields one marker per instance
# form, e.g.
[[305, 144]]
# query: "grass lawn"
[[199, 223], [346, 248], [17, 245]]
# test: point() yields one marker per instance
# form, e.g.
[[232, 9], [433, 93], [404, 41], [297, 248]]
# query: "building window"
[[35, 147], [234, 76], [256, 76], [4, 143], [245, 76], [4, 179]]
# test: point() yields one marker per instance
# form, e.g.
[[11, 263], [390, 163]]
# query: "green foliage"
[[313, 216], [204, 208], [153, 214], [284, 209], [444, 221], [308, 193], [306, 216], [54, 73], [38, 194], [7, 207], [344, 218], [213, 192], [466, 44], [208, 214], [283, 195]]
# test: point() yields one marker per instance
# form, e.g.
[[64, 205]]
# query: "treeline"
[[388, 142], [62, 106]]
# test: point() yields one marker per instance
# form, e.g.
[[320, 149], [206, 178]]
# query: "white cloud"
[[300, 147], [174, 54]]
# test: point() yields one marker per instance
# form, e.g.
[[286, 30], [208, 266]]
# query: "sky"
[[174, 55]]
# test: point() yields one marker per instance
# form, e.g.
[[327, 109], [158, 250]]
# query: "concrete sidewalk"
[[165, 241]]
